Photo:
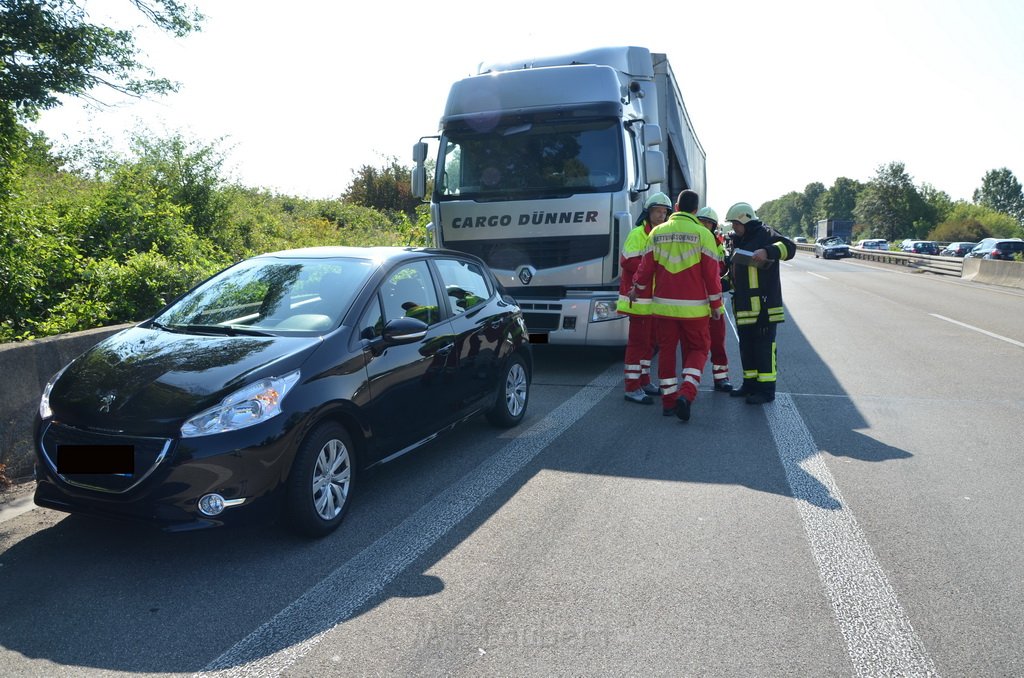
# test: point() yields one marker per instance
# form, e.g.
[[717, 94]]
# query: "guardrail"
[[922, 262]]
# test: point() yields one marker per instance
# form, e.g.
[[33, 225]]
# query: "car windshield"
[[270, 295], [537, 159]]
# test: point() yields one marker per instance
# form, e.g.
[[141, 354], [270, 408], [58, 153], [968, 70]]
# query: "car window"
[[465, 284], [371, 324], [409, 292]]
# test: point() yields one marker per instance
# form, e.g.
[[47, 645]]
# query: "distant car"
[[957, 249], [800, 239], [873, 244], [276, 383], [997, 248], [921, 247], [831, 248]]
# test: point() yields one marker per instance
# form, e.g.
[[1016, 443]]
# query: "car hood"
[[148, 381]]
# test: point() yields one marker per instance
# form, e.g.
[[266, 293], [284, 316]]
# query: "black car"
[[273, 385], [1003, 249], [921, 247], [831, 248], [957, 249]]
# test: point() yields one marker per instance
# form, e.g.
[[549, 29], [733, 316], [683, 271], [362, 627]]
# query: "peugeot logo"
[[106, 401], [526, 274]]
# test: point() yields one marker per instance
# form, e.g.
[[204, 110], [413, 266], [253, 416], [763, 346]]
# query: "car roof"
[[378, 254]]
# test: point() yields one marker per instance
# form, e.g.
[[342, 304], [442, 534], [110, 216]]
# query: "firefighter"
[[757, 299], [640, 341], [719, 359], [681, 262]]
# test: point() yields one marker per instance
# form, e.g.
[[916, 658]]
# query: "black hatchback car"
[[271, 386]]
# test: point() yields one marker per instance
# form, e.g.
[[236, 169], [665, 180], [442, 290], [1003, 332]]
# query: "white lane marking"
[[294, 631], [818, 276], [977, 329], [879, 637]]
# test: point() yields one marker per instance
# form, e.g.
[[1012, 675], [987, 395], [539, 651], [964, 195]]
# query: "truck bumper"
[[589, 321]]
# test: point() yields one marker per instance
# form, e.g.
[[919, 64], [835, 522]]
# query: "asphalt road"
[[866, 523]]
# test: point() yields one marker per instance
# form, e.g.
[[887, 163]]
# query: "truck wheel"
[[319, 487], [513, 395]]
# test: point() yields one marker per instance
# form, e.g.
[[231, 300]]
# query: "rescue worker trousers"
[[719, 360], [695, 337], [639, 351], [757, 354]]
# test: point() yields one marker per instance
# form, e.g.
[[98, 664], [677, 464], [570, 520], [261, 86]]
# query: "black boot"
[[749, 386], [765, 393]]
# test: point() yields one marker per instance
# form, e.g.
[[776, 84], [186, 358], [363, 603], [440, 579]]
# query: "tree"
[[784, 214], [891, 206], [970, 222], [839, 200], [388, 187], [48, 47], [1001, 191], [809, 207]]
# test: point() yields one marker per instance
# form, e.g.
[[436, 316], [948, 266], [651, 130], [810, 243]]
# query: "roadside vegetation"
[[892, 207]]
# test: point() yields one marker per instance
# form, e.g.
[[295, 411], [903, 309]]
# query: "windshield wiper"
[[226, 330]]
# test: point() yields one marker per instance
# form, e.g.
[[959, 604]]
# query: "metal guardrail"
[[923, 262]]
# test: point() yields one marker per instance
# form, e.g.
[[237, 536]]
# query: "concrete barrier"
[[25, 368], [1005, 273]]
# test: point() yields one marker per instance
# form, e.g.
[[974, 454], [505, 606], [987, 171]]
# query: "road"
[[866, 523]]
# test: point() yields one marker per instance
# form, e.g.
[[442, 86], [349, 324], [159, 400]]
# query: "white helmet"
[[741, 212], [658, 199], [707, 213]]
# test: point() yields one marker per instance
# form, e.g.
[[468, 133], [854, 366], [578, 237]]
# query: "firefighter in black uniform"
[[756, 299]]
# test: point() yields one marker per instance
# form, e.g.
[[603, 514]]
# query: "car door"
[[410, 384], [478, 326]]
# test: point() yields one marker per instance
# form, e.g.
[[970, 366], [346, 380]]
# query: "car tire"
[[513, 395], [320, 484]]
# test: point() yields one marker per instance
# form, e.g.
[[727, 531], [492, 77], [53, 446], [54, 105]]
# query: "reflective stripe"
[[714, 297], [752, 277], [783, 250], [671, 381], [668, 390], [717, 368], [691, 380], [749, 374], [770, 377], [692, 371]]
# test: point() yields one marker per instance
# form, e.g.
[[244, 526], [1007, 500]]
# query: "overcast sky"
[[781, 94]]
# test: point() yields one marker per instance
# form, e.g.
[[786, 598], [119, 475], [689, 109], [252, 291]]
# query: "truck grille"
[[541, 253]]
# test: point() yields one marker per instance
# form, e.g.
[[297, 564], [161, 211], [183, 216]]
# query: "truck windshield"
[[538, 159]]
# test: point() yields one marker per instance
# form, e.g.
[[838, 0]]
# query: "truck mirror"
[[652, 135], [419, 152], [654, 167], [419, 181]]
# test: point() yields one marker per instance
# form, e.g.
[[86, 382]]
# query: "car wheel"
[[513, 395], [320, 483]]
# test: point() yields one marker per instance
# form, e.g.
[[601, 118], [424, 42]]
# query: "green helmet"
[[707, 213], [658, 199], [741, 212]]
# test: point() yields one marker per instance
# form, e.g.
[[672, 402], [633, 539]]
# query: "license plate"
[[96, 459]]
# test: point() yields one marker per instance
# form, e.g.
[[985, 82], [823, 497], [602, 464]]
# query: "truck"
[[839, 228], [542, 169]]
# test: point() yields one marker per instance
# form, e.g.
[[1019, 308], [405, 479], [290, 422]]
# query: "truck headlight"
[[247, 406], [603, 309]]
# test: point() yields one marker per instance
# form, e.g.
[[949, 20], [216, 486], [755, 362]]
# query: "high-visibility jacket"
[[632, 251], [757, 292], [681, 262]]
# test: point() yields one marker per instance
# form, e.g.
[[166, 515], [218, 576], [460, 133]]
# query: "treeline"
[[891, 206], [89, 237]]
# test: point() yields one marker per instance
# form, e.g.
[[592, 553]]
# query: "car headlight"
[[248, 406], [44, 402], [603, 309]]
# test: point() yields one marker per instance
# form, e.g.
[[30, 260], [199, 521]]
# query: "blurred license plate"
[[96, 459]]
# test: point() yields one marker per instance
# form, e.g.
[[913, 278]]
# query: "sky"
[[300, 94]]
